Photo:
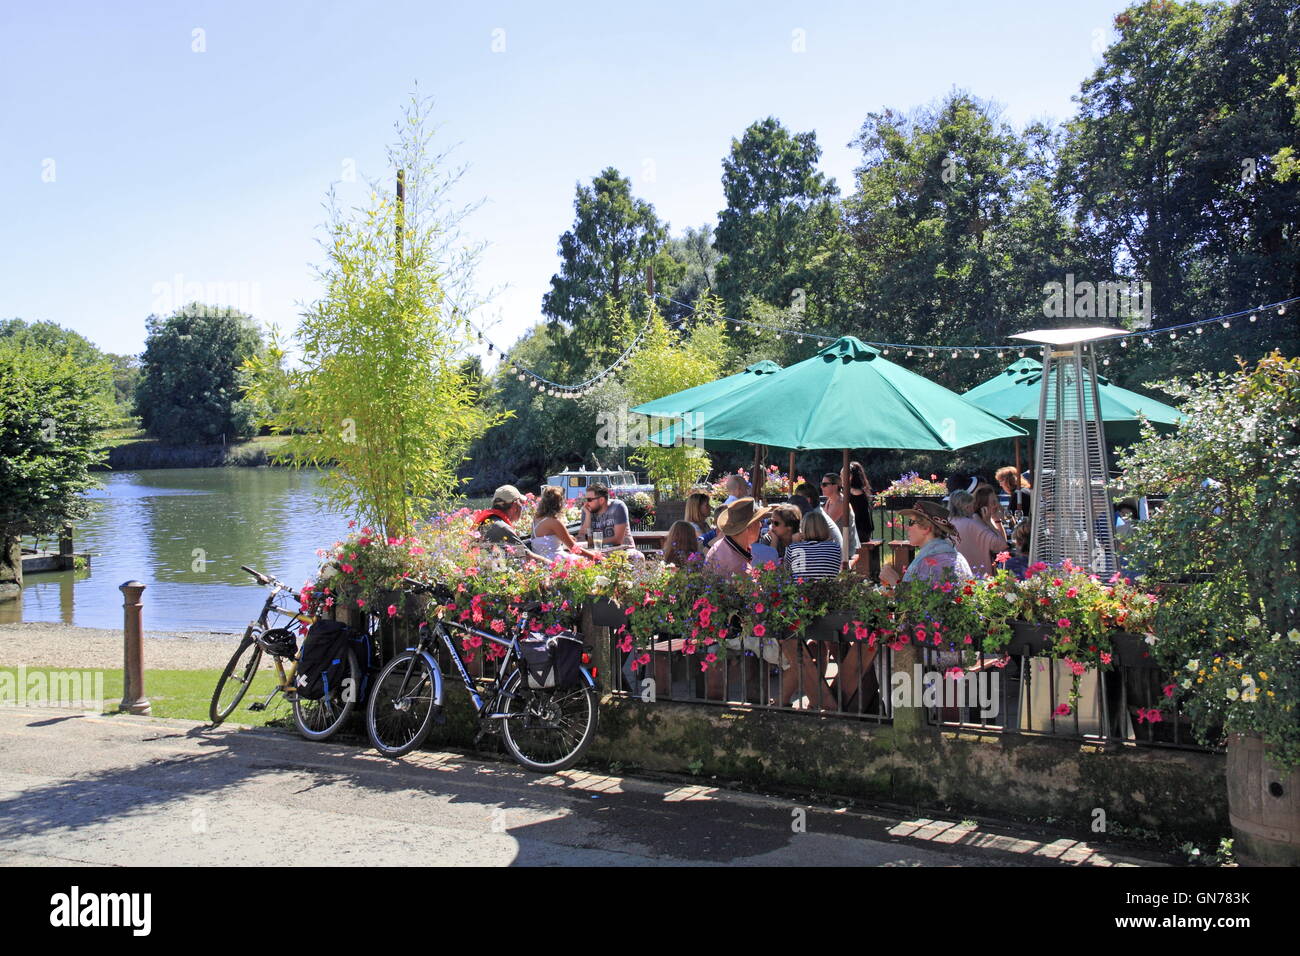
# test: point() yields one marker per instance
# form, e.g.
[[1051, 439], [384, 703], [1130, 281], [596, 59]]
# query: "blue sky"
[[131, 163]]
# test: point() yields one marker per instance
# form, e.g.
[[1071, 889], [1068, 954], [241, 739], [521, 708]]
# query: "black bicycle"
[[546, 730], [315, 719]]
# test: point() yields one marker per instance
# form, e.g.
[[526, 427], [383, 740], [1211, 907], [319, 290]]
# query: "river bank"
[[63, 645], [146, 453]]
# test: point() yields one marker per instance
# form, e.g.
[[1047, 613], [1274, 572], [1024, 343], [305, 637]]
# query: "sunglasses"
[[833, 484], [589, 498], [917, 522]]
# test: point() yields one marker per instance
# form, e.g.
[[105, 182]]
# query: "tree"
[[51, 408], [953, 231], [601, 283], [384, 392], [778, 235], [669, 362], [190, 388], [697, 262], [101, 368]]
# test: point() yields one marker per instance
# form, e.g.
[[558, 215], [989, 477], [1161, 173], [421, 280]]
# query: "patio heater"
[[1072, 515]]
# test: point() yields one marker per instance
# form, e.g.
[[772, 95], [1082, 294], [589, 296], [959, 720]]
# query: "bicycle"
[[544, 730], [315, 719]]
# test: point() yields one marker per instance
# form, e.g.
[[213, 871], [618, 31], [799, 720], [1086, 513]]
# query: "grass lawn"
[[184, 694]]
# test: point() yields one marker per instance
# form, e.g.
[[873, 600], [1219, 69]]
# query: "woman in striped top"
[[815, 555]]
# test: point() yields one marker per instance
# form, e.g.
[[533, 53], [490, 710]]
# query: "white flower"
[[1193, 665], [1010, 598], [1232, 693], [1187, 683], [1150, 638], [600, 581], [1252, 621], [1293, 636]]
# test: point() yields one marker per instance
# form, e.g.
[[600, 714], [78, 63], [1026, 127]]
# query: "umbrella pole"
[[1018, 468], [847, 515], [792, 472], [760, 473]]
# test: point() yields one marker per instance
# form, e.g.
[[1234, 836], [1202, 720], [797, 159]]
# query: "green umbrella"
[[845, 396], [681, 403], [1014, 394]]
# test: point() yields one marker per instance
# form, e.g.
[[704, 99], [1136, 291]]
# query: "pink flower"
[[1003, 557], [360, 603], [1169, 690], [710, 657], [392, 610], [1073, 592], [1105, 657], [1063, 622], [416, 550], [1149, 716], [769, 566], [758, 608], [1076, 668], [759, 630], [1062, 710], [498, 625]]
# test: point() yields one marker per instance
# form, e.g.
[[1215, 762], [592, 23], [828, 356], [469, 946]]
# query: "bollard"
[[133, 699]]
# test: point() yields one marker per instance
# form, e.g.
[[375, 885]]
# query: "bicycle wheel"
[[318, 719], [235, 680], [548, 730], [401, 704]]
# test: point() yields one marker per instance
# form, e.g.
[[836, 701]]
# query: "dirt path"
[[61, 645]]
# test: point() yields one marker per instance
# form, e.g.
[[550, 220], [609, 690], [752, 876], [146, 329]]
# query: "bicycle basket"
[[551, 663]]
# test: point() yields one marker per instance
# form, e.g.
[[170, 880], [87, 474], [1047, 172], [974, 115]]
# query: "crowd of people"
[[816, 533]]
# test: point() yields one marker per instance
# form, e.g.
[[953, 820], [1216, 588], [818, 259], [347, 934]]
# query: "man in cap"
[[496, 524]]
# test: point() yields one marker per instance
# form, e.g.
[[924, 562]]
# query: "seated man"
[[607, 516], [496, 524]]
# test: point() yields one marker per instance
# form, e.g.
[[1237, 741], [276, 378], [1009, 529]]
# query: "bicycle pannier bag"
[[324, 661], [552, 663]]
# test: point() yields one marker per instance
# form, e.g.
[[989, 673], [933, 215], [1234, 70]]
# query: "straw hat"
[[739, 515], [934, 513]]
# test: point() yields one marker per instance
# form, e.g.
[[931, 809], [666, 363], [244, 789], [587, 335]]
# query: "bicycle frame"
[[513, 655], [284, 676]]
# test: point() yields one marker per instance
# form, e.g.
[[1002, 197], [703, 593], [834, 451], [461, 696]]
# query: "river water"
[[184, 532]]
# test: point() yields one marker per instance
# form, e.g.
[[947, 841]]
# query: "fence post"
[[907, 720], [133, 698]]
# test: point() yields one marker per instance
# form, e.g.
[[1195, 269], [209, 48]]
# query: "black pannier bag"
[[552, 663], [324, 662]]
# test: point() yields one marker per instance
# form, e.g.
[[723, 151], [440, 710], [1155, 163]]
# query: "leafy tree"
[[1169, 165], [778, 233], [190, 388], [51, 407], [601, 283], [697, 259], [383, 392], [953, 232], [669, 362]]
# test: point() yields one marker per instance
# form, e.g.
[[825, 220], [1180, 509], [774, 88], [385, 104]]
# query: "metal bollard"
[[133, 699]]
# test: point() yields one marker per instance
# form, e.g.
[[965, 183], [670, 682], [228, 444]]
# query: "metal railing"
[[801, 675], [1027, 695]]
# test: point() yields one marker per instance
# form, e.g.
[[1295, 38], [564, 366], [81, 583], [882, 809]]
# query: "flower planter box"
[[899, 502], [1132, 650], [830, 627], [1029, 639], [606, 613], [1045, 685]]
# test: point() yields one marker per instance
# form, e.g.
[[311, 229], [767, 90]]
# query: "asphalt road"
[[122, 791]]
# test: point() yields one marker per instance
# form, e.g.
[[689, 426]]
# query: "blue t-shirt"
[[615, 513]]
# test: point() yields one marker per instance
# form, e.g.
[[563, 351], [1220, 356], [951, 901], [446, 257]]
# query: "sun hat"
[[933, 512], [739, 515]]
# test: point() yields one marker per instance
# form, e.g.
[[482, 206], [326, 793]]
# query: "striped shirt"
[[814, 559]]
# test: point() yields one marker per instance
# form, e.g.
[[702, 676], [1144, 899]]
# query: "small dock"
[[36, 560]]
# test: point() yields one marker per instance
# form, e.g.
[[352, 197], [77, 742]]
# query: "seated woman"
[[697, 515], [681, 543], [930, 531], [1019, 562], [551, 538], [816, 554]]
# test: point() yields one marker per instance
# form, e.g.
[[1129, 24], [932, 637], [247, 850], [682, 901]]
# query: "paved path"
[[77, 789]]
